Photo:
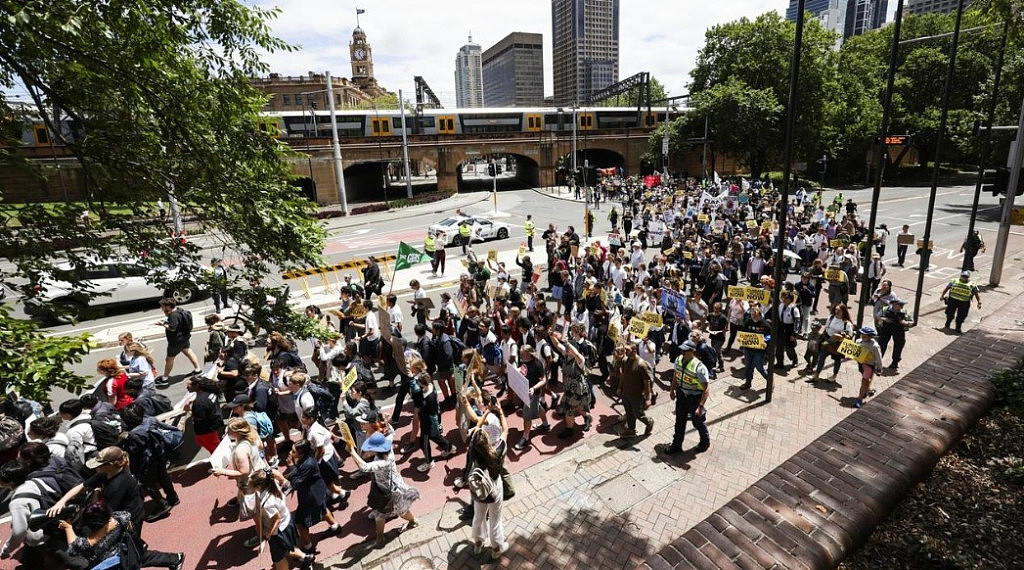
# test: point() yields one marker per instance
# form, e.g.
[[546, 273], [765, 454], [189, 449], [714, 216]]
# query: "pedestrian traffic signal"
[[490, 169], [998, 181]]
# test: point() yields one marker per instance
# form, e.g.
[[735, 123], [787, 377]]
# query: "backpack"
[[146, 451], [323, 402], [187, 317], [273, 405], [264, 427], [64, 477], [457, 347], [171, 437], [12, 432], [481, 486], [161, 403], [105, 430], [492, 354]]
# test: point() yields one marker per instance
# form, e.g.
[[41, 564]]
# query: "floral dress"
[[386, 476], [104, 547], [576, 399]]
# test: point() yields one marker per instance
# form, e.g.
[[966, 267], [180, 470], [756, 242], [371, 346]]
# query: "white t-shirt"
[[303, 402], [372, 326], [319, 437], [395, 314], [272, 506]]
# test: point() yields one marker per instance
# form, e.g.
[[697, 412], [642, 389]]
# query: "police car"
[[480, 229]]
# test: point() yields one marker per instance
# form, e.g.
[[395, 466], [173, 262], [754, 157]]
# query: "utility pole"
[[986, 142], [339, 167], [926, 252], [1016, 159], [405, 149], [881, 157], [787, 161]]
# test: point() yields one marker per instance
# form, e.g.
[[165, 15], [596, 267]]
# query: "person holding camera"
[[104, 531]]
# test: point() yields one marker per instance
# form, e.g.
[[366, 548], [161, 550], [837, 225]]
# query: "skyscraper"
[[584, 47], [513, 71], [864, 15], [469, 82], [926, 6]]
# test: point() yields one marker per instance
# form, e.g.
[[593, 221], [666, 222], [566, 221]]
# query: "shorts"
[[175, 348], [532, 410], [867, 372], [208, 441]]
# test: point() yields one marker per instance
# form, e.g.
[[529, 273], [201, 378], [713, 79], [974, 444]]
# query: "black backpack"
[[457, 347], [61, 473], [105, 430], [323, 402]]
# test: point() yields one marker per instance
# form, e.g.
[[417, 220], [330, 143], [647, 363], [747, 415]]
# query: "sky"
[[422, 38]]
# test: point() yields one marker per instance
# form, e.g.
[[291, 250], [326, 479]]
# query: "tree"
[[153, 100], [755, 55]]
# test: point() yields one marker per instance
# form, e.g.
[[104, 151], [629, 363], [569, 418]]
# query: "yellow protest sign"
[[348, 380], [931, 244], [835, 243], [851, 349], [346, 434], [736, 292], [762, 296], [834, 274], [638, 327], [492, 255], [687, 255], [522, 249], [465, 262], [766, 226], [751, 340], [702, 217], [653, 318], [751, 224], [1017, 217]]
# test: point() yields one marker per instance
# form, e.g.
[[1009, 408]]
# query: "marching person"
[[870, 366], [690, 391], [894, 322], [959, 293]]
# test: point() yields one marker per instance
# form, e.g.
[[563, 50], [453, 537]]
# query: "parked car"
[[112, 282], [481, 229]]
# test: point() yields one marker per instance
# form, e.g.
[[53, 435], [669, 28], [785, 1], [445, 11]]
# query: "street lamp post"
[[574, 171]]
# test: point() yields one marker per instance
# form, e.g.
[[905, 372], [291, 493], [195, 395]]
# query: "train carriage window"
[[42, 135]]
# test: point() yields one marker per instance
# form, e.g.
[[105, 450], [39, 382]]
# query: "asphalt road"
[[897, 206]]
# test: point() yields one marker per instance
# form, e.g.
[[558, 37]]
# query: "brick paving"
[[612, 503]]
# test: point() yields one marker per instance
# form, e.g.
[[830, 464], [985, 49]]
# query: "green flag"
[[409, 256]]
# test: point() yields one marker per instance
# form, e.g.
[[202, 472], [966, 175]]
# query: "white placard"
[[221, 457], [518, 383]]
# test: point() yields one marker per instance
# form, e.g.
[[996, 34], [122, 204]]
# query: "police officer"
[[893, 324], [430, 248], [531, 229], [690, 391], [959, 292], [464, 233]]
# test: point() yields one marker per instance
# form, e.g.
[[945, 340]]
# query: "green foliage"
[[33, 364], [1009, 386], [153, 100]]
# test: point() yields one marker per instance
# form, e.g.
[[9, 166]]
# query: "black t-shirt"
[[120, 493], [177, 327], [534, 371]]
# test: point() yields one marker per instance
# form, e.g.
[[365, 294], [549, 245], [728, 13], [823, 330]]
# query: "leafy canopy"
[[151, 99]]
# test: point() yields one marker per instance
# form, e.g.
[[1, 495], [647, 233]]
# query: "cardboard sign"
[[652, 318], [638, 327], [851, 349], [835, 275], [766, 226], [905, 239], [346, 434], [751, 340], [751, 224], [398, 351], [425, 303], [348, 380], [687, 255], [492, 255], [522, 249], [702, 217], [519, 384], [736, 292], [834, 243], [615, 239], [459, 376], [758, 295], [385, 324], [931, 244]]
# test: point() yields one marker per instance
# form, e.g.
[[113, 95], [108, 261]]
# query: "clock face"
[[360, 53]]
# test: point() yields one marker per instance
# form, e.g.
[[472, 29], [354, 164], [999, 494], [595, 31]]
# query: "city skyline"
[[658, 27]]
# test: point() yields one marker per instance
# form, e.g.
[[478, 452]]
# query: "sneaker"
[[459, 483], [448, 453], [161, 382], [160, 513], [174, 502], [703, 446], [667, 449], [425, 466], [650, 427], [478, 547], [745, 386], [587, 423], [501, 550], [180, 563], [521, 444], [466, 513], [408, 448], [858, 403], [273, 462], [627, 433], [542, 428], [334, 529], [197, 371], [342, 496]]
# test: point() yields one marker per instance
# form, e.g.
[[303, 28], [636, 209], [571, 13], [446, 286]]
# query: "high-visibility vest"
[[464, 230], [530, 227], [686, 374], [428, 244], [960, 291]]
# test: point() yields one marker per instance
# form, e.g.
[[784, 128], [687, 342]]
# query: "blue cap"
[[870, 331], [688, 345]]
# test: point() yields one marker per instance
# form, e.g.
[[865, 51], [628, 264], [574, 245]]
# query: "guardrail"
[[353, 264]]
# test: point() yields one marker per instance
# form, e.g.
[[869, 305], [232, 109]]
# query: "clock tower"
[[362, 59]]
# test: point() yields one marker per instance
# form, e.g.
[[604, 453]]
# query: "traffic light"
[[498, 168], [998, 181], [490, 169]]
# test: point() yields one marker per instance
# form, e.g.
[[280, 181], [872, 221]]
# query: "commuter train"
[[388, 122]]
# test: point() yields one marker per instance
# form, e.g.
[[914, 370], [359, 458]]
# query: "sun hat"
[[106, 456], [377, 443]]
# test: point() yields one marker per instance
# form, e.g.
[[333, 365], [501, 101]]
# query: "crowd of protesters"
[[676, 276]]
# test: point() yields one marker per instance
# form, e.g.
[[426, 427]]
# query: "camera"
[[38, 520]]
